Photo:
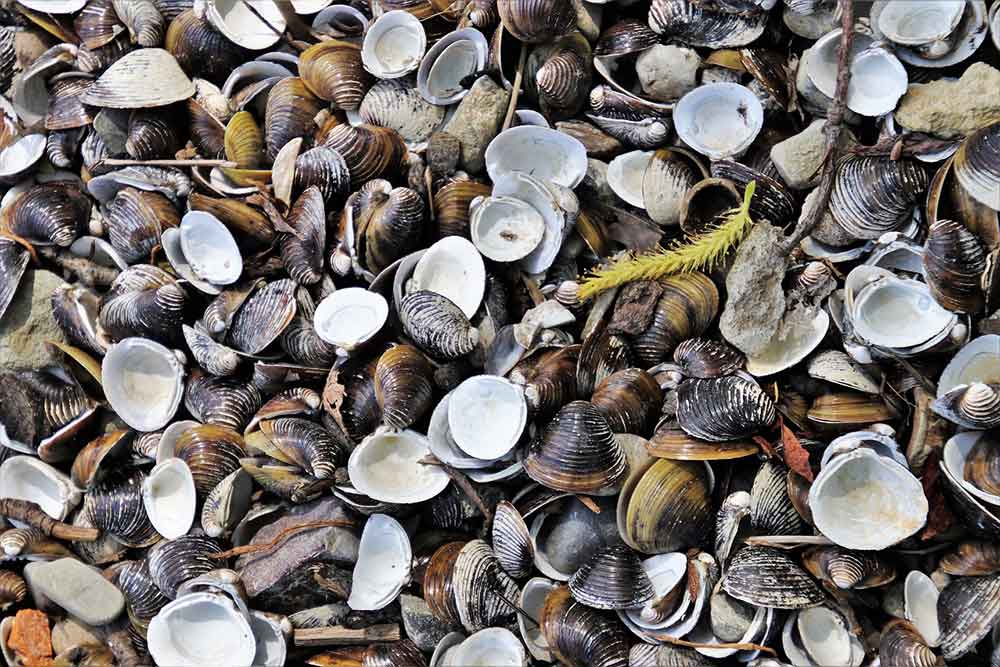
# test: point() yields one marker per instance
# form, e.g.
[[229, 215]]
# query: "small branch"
[[788, 541], [253, 10], [32, 514], [23, 242], [340, 636], [284, 535], [512, 107], [194, 162], [833, 128], [738, 646], [463, 483], [88, 272], [589, 503]]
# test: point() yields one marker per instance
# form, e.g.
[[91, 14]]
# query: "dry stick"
[[787, 541], [32, 514], [462, 482], [340, 636], [518, 609], [517, 88], [195, 162], [833, 127], [738, 646], [88, 272], [284, 535], [21, 241]]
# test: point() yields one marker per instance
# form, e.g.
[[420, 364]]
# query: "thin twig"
[[518, 609], [787, 541], [833, 127], [194, 162], [253, 10], [741, 646], [512, 107], [463, 483], [284, 535], [32, 514]]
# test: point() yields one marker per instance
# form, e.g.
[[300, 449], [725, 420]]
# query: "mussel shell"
[[968, 608], [389, 223], [326, 169], [370, 151], [403, 385], [309, 445], [766, 577], [771, 510], [630, 400], [712, 25], [50, 213], [726, 408], [902, 645], [333, 72], [290, 110], [172, 562], [706, 358], [437, 325], [537, 21], [687, 306], [135, 219], [872, 196], [142, 596], [579, 635], [612, 578], [227, 402], [577, 452], [263, 316], [302, 252], [954, 261], [211, 453], [201, 50], [115, 505]]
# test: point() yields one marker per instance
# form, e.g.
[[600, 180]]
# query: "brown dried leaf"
[[765, 445], [634, 307], [796, 456]]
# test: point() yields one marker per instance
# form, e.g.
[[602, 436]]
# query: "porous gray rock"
[[951, 109], [28, 323], [77, 588], [421, 626], [799, 159], [667, 72], [477, 120]]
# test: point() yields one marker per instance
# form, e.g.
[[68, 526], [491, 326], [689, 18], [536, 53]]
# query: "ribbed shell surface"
[[687, 306], [263, 316], [768, 578], [302, 252], [512, 542], [403, 385], [211, 453], [482, 588], [50, 214], [135, 219], [579, 635], [227, 402], [612, 578], [115, 505], [725, 408], [437, 325], [872, 196], [968, 608], [290, 110], [311, 446], [771, 510], [172, 562]]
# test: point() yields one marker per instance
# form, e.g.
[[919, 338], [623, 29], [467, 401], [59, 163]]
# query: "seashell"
[[383, 567], [625, 174], [577, 452], [211, 452], [548, 379], [687, 306], [972, 558], [154, 311], [437, 325], [13, 262], [243, 141], [228, 402], [50, 214], [512, 543], [394, 45], [564, 78], [968, 608], [291, 107], [254, 30], [31, 544], [771, 200], [726, 408], [144, 22], [439, 582], [65, 111], [213, 357], [771, 509], [13, 590], [170, 182], [455, 56], [75, 309], [504, 229], [954, 261], [115, 505], [31, 479], [452, 268], [97, 23], [625, 37], [252, 226], [397, 104], [200, 49], [382, 460], [327, 170], [307, 444], [838, 368], [168, 495], [340, 21], [481, 587], [173, 562], [601, 355], [231, 639], [848, 570], [665, 183], [389, 223], [403, 653], [669, 441], [403, 386], [88, 461], [125, 84], [360, 410], [555, 156], [767, 577], [304, 345], [975, 406], [370, 151], [557, 205], [21, 156], [872, 196], [628, 400], [665, 655], [665, 507], [263, 316], [901, 644], [975, 165], [302, 251], [333, 71], [287, 482], [227, 503], [705, 358], [142, 596], [715, 26], [718, 120], [577, 634], [135, 219], [350, 317], [143, 382], [920, 599], [537, 21], [613, 578], [882, 78]]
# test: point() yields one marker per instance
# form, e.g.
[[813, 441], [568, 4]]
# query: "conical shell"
[[768, 578], [613, 578], [437, 325], [125, 85], [403, 385], [333, 72]]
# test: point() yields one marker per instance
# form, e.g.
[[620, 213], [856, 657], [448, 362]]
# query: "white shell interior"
[[790, 345], [386, 467], [444, 652], [169, 498], [55, 6], [349, 317], [443, 446], [453, 268], [144, 383], [342, 18], [170, 241], [394, 45], [920, 598], [235, 20], [532, 599], [878, 80], [29, 478], [491, 647], [486, 416], [719, 120], [531, 190], [383, 566], [978, 361], [955, 453], [454, 57], [201, 629], [546, 154], [625, 175], [505, 229], [824, 636], [210, 248], [166, 448], [915, 22], [898, 313], [21, 155], [665, 571], [271, 648], [862, 500], [99, 250]]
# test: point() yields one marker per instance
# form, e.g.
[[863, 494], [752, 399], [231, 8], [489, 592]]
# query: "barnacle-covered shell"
[[263, 316], [437, 325], [333, 72], [403, 385], [135, 219], [211, 452], [512, 542], [726, 408], [954, 261], [687, 306], [290, 110], [967, 608], [872, 196], [50, 213], [577, 452], [767, 577], [115, 505], [579, 635], [613, 578], [537, 21], [370, 151], [629, 400], [172, 562]]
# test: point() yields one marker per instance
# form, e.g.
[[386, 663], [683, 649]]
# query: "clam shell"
[[397, 104], [49, 214], [766, 577], [263, 316], [379, 464], [173, 562], [393, 45], [544, 198], [333, 71], [403, 386], [254, 30], [613, 578], [665, 182], [629, 400], [512, 543], [483, 398], [665, 507], [706, 358], [227, 503], [154, 312], [402, 653], [726, 408], [103, 450], [954, 261], [437, 325], [975, 406], [214, 357], [291, 107], [228, 402], [383, 567], [719, 120], [548, 379], [669, 441], [977, 168], [115, 505], [577, 634], [125, 84], [455, 56], [687, 306], [21, 155], [143, 382], [505, 229], [307, 444], [211, 452], [326, 169], [31, 479], [714, 26], [920, 598], [13, 262], [349, 317], [65, 110], [625, 37], [135, 219], [902, 644], [302, 252], [537, 21], [771, 510], [370, 151], [142, 596], [168, 494], [243, 141], [481, 587], [848, 569], [972, 558], [549, 155], [968, 608], [231, 639], [872, 196], [452, 268]]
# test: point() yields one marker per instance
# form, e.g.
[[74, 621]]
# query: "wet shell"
[[687, 306], [99, 59], [671, 442], [549, 379], [201, 50], [613, 578], [211, 452], [397, 103], [439, 582], [307, 444], [968, 608], [771, 510], [263, 316], [403, 385], [872, 196], [207, 133], [389, 223], [601, 355], [972, 559], [214, 357], [714, 25], [577, 452], [537, 21], [977, 167], [302, 252], [706, 358], [101, 451], [143, 20], [437, 325], [726, 408], [61, 147], [975, 406], [115, 505], [172, 562], [848, 569], [290, 110], [579, 635], [135, 219], [766, 577], [227, 402], [244, 141], [630, 400], [142, 596], [369, 150], [954, 261], [97, 23], [66, 111], [512, 542], [451, 206], [50, 214], [326, 169], [902, 645], [481, 587], [333, 72]]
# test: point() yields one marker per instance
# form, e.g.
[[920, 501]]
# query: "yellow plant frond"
[[701, 252]]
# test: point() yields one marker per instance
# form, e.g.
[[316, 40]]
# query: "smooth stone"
[[756, 300], [79, 589], [70, 633], [477, 120], [577, 534], [423, 627], [667, 72], [951, 109], [598, 143], [28, 323], [799, 159]]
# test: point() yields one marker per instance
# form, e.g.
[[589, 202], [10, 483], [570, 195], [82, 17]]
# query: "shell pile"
[[306, 357]]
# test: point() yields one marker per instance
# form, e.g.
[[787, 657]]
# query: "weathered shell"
[[687, 306], [579, 635], [13, 590], [872, 196], [481, 587], [666, 507], [214, 357], [290, 110], [537, 21], [975, 406], [767, 577], [624, 37], [143, 20], [848, 569], [706, 358], [125, 85], [967, 609], [89, 460], [512, 543], [262, 317], [211, 452], [173, 562], [715, 26], [115, 505], [629, 400], [726, 408], [326, 169], [200, 49], [577, 452], [65, 110], [403, 385], [135, 219], [902, 645], [31, 544], [403, 653], [227, 402], [50, 213], [437, 325], [97, 23], [370, 151], [954, 261], [771, 510], [771, 201], [612, 578], [845, 408], [134, 580], [13, 262], [705, 202], [302, 251]]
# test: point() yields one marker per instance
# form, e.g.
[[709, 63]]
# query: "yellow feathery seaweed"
[[701, 252]]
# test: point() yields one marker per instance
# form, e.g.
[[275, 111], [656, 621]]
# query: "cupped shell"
[[115, 505], [437, 325], [666, 507], [968, 608], [144, 382], [168, 494], [369, 150], [954, 261], [403, 385], [577, 634], [125, 85], [687, 306], [613, 578], [174, 639], [977, 167], [974, 406], [263, 316], [512, 543], [386, 467], [537, 21]]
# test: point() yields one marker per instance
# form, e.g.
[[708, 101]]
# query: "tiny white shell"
[[386, 467], [210, 248], [505, 229], [349, 317], [201, 629], [144, 382], [169, 496], [393, 45], [453, 268], [383, 566], [719, 120], [546, 154]]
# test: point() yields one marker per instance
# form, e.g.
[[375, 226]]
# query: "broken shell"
[[383, 566], [252, 29], [394, 45], [799, 333], [838, 368], [125, 85], [168, 495], [726, 408], [102, 450], [554, 156], [613, 578], [175, 636], [144, 382], [379, 464], [333, 70], [766, 577], [31, 479], [437, 325], [719, 120], [452, 58]]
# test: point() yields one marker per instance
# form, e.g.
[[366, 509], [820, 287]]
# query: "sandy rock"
[[28, 323], [953, 108], [69, 633], [77, 588], [599, 144], [667, 72], [799, 159], [477, 120]]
